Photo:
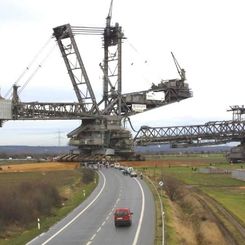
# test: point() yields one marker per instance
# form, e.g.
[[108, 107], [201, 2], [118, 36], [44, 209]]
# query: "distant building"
[[238, 174]]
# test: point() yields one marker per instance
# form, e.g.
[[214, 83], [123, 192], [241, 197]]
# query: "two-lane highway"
[[92, 221]]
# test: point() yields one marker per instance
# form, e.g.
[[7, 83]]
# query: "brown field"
[[53, 166], [30, 167], [165, 163]]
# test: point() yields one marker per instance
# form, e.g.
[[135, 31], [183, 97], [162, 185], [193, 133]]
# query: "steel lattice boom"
[[49, 111], [211, 132]]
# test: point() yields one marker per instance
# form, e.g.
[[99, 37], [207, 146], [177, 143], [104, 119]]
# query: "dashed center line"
[[79, 214], [92, 238], [106, 219]]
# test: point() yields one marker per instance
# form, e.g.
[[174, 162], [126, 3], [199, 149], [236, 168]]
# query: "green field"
[[233, 199], [210, 158], [188, 176]]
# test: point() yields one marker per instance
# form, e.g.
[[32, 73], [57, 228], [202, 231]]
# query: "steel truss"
[[218, 132], [49, 111]]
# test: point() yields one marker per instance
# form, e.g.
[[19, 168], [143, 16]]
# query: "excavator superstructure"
[[101, 131]]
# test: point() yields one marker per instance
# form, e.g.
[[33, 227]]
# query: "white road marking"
[[79, 214], [107, 217], [117, 201], [136, 237], [35, 238], [92, 238]]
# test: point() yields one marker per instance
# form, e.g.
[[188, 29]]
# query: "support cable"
[[37, 68], [87, 30], [29, 66], [142, 62]]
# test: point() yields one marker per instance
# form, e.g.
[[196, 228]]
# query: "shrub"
[[88, 175], [24, 203], [172, 188]]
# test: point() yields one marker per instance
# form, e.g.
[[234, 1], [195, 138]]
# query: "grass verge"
[[169, 232], [158, 220]]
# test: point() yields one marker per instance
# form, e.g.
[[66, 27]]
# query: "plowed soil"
[[30, 167]]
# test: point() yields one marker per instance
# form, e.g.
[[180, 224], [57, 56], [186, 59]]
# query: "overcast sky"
[[207, 38]]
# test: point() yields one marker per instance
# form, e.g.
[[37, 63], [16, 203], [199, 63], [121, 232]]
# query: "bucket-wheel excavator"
[[101, 132]]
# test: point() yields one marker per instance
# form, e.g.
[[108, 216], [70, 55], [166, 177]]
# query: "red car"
[[123, 216]]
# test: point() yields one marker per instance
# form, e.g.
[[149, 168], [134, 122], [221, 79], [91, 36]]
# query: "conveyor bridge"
[[216, 132]]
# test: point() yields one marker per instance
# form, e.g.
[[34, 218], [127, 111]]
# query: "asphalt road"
[[92, 221]]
